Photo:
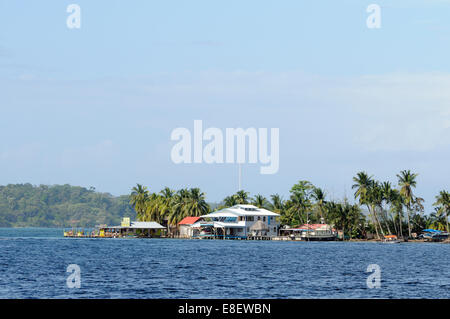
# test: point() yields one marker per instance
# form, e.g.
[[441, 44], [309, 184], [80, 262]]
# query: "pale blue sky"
[[96, 106]]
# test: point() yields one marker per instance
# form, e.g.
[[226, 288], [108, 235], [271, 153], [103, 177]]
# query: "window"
[[259, 217], [264, 218]]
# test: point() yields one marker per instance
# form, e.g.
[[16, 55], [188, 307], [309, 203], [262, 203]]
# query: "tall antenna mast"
[[240, 177]]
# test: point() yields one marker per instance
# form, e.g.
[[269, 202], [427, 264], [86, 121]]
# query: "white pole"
[[240, 177]]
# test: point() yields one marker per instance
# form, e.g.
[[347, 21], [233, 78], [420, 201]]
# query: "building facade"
[[237, 222], [186, 230]]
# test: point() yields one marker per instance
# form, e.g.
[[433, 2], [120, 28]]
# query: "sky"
[[96, 106]]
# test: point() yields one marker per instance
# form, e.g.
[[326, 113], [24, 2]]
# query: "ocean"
[[34, 264]]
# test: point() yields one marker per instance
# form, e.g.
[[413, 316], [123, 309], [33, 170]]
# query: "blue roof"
[[431, 231]]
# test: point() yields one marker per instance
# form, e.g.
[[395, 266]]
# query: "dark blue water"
[[33, 264]]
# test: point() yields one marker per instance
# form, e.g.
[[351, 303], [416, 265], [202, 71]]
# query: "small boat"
[[434, 235], [311, 232], [391, 239]]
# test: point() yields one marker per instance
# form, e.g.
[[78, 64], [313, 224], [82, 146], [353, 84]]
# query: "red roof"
[[189, 220]]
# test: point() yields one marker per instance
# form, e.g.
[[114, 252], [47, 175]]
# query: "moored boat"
[[391, 239], [311, 232], [434, 235]]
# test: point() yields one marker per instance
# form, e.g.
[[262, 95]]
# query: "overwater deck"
[[126, 229], [232, 237]]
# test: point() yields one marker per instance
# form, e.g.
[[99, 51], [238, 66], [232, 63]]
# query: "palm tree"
[[138, 199], [277, 204], [242, 197], [375, 196], [356, 220], [387, 197], [364, 185], [177, 212], [167, 192], [319, 196], [187, 202], [437, 220], [336, 216], [443, 205], [407, 181], [346, 217], [397, 207], [153, 208], [288, 215], [165, 202], [302, 187], [230, 201], [299, 205], [260, 201], [196, 204]]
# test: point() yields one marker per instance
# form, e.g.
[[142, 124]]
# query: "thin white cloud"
[[22, 153], [96, 155], [390, 112], [400, 112], [4, 52]]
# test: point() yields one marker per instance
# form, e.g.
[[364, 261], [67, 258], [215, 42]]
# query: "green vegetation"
[[168, 206], [442, 210], [380, 209], [386, 206], [25, 205]]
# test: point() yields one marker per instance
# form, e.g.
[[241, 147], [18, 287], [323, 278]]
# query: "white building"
[[185, 226], [238, 222]]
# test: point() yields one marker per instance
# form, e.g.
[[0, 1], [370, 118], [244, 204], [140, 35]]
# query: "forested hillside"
[[24, 205]]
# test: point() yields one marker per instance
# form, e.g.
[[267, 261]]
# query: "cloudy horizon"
[[96, 106]]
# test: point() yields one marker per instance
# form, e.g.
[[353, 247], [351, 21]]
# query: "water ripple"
[[35, 267]]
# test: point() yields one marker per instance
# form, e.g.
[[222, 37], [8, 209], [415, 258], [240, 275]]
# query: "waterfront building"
[[186, 230], [127, 228], [141, 229], [237, 222], [311, 232]]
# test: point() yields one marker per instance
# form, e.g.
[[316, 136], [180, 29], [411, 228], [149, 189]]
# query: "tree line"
[[379, 208], [399, 210], [26, 205]]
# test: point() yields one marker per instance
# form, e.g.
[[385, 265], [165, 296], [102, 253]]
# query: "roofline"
[[234, 211]]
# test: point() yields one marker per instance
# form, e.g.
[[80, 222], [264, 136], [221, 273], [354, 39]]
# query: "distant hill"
[[25, 205], [214, 206]]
